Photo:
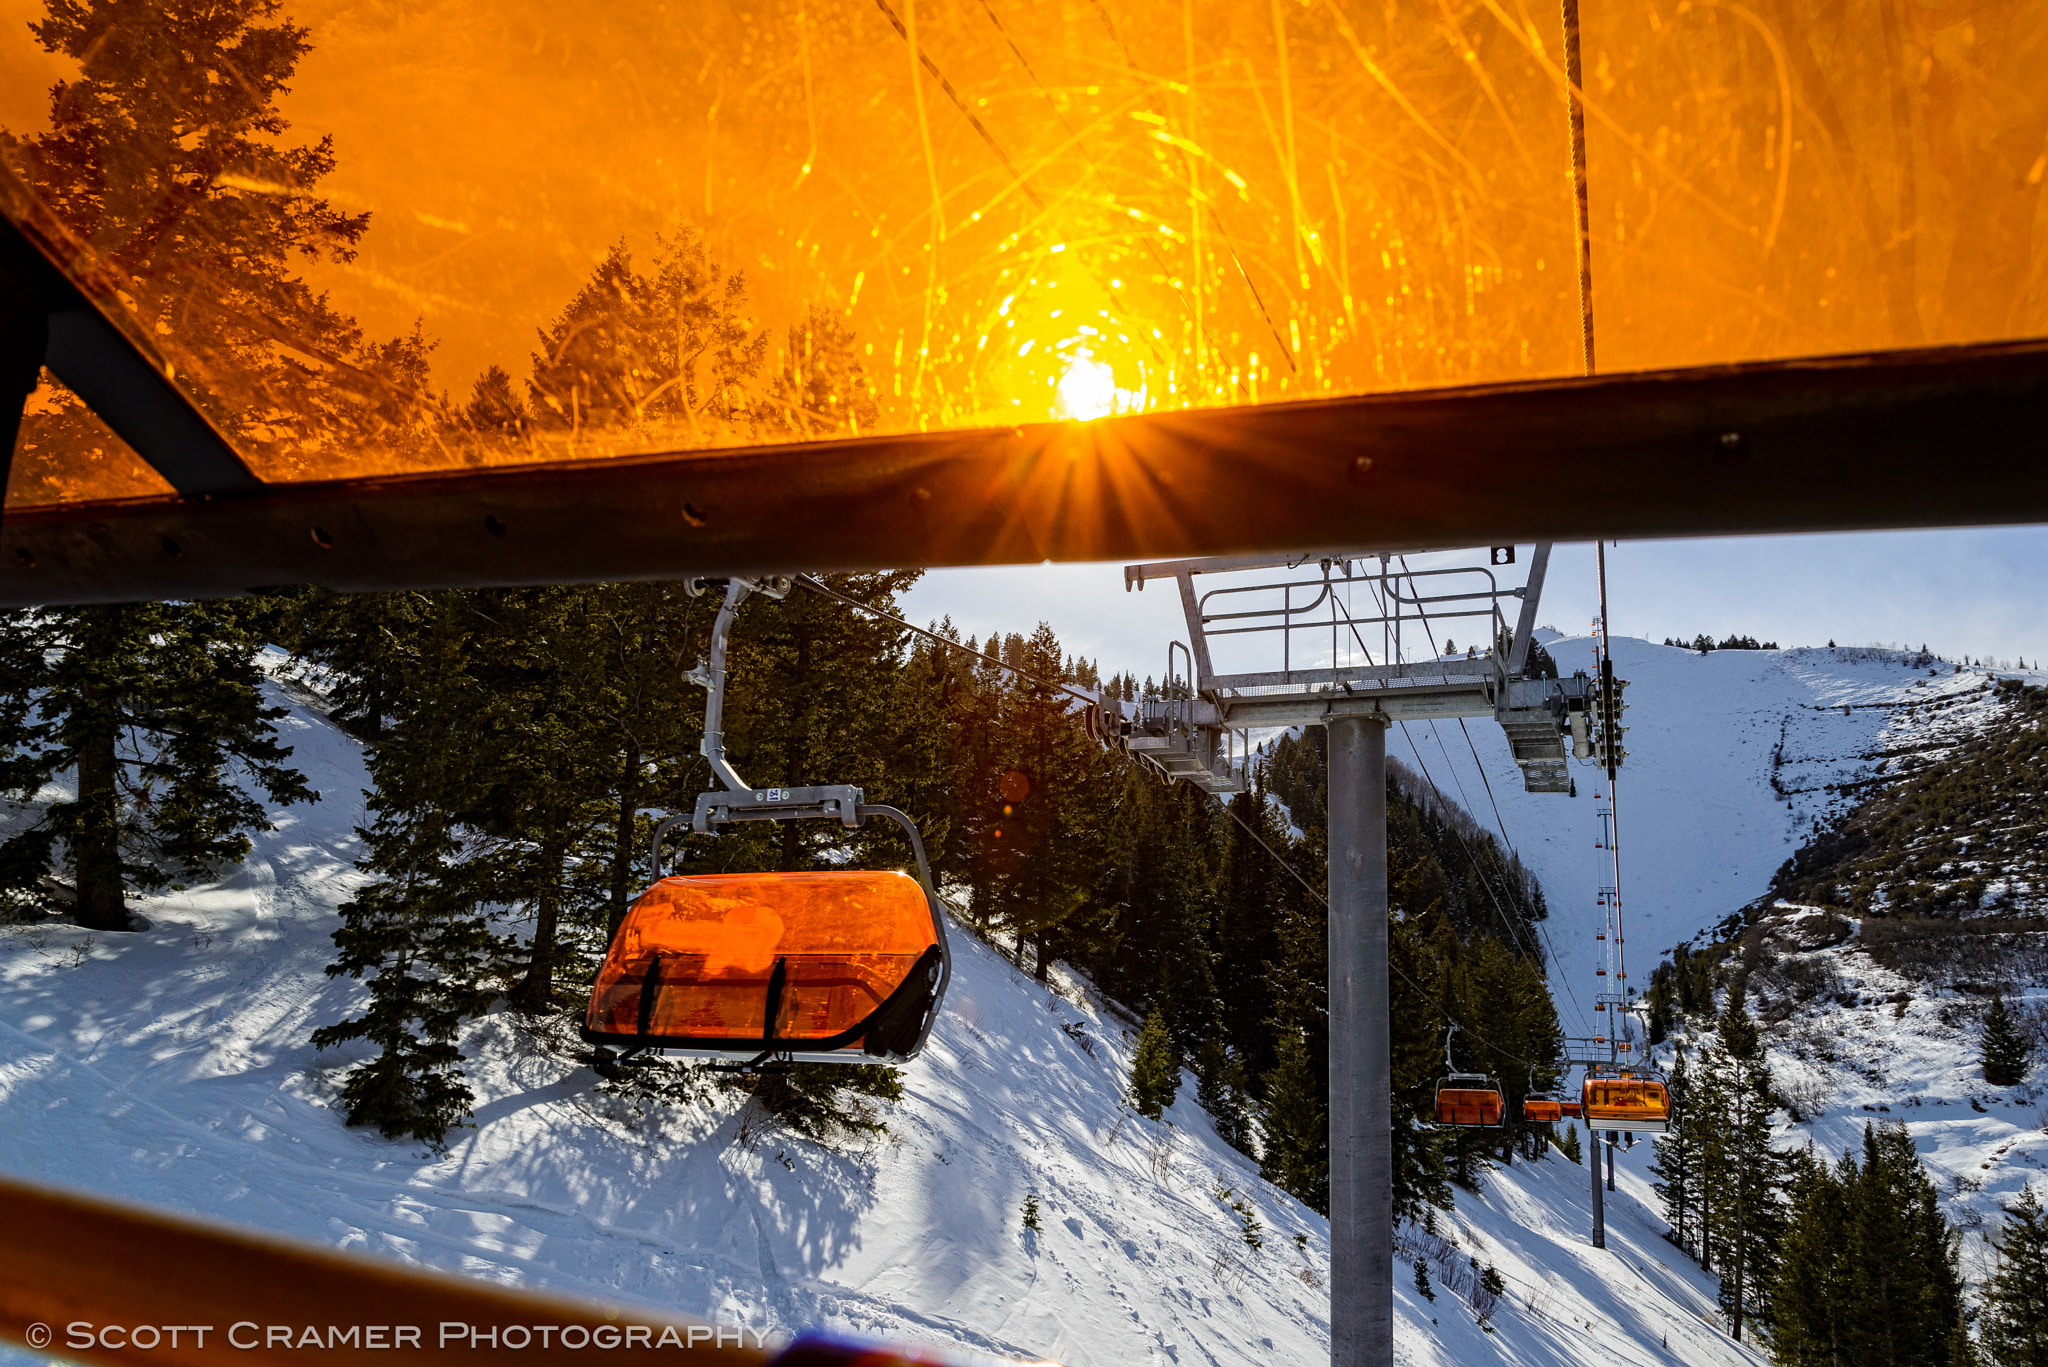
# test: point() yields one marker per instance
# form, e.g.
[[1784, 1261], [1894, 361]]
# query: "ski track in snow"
[[170, 1068]]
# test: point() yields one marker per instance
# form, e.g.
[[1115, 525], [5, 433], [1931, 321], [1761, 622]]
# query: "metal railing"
[[1398, 609]]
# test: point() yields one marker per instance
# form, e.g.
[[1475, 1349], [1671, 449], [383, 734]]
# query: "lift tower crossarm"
[[1525, 625]]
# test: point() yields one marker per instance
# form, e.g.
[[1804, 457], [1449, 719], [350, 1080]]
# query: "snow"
[[1702, 827], [170, 1068]]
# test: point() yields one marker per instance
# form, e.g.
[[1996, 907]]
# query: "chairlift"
[[837, 966], [1542, 1110], [1625, 1098], [1468, 1100]]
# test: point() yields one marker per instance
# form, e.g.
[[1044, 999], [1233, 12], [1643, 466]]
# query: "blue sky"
[[1980, 592]]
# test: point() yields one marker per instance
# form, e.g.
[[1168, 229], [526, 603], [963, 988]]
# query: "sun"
[[1088, 389]]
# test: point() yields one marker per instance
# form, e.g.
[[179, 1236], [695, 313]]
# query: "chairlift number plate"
[[771, 795]]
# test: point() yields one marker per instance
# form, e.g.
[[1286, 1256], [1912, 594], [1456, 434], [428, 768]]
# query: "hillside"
[[1743, 761], [170, 1067], [1951, 826], [1736, 760]]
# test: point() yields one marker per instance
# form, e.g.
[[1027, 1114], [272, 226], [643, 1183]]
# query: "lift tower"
[[1355, 636]]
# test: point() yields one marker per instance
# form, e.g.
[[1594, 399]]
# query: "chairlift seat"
[[1625, 1100], [1470, 1101], [838, 963], [1542, 1110]]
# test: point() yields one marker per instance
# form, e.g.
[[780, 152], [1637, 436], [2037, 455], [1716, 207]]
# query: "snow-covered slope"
[[170, 1067], [1732, 758], [1876, 1046]]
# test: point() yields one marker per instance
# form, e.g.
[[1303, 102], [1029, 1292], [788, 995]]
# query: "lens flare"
[[1088, 389]]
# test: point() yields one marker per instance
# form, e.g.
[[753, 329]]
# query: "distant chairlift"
[[836, 966], [1625, 1098], [1468, 1100]]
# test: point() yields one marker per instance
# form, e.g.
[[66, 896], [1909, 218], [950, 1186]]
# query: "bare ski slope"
[[170, 1067], [1702, 826]]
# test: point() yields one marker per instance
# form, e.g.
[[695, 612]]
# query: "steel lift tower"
[[1348, 640]]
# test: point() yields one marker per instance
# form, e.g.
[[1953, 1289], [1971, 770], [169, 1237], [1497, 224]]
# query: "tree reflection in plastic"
[[838, 942], [828, 230], [1626, 1103]]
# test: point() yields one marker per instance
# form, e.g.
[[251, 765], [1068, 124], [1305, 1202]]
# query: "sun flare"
[[1088, 389]]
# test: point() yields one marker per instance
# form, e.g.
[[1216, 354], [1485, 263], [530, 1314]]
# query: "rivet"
[[1731, 449], [1361, 469], [493, 526], [693, 517], [322, 539], [170, 547]]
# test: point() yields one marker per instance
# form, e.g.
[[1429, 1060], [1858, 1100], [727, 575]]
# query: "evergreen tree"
[[820, 388], [2001, 1049], [666, 355], [1422, 1287], [1813, 1295], [157, 711], [1569, 1145], [2016, 1299], [1155, 1069], [1907, 1292], [1221, 1090], [1296, 1127], [163, 152], [1741, 1180], [1677, 1163], [1045, 858], [419, 933], [424, 943]]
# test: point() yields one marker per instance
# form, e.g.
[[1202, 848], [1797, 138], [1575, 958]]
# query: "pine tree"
[[1296, 1127], [1907, 1292], [667, 356], [1569, 1145], [162, 153], [1813, 1293], [157, 709], [1677, 1163], [1155, 1069], [1741, 1175], [1049, 832], [2002, 1050], [820, 388], [1422, 1287], [425, 945], [419, 933], [1220, 1089], [2016, 1299]]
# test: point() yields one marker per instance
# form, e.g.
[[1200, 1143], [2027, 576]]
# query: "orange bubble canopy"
[[1469, 1105], [1626, 1103], [759, 960]]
